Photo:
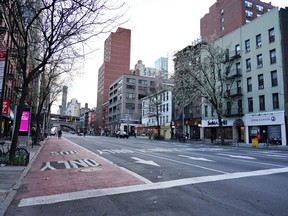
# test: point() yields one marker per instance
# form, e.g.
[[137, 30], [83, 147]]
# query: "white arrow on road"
[[196, 158], [149, 162]]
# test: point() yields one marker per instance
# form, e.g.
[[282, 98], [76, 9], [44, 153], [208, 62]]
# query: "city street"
[[138, 176]]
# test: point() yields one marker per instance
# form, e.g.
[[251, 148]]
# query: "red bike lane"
[[63, 167]]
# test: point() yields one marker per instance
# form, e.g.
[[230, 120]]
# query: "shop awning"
[[238, 122]]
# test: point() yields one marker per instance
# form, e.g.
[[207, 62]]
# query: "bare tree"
[[203, 71], [43, 29], [51, 77]]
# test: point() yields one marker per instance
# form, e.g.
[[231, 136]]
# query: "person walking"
[[59, 134]]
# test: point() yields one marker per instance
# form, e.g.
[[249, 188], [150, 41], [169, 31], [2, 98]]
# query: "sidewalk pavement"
[[11, 177]]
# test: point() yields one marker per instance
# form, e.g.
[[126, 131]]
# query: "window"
[[130, 106], [212, 112], [143, 88], [221, 11], [275, 99], [271, 34], [130, 80], [167, 107], [222, 20], [259, 8], [130, 96], [272, 56], [258, 41], [237, 49], [238, 68], [130, 86], [248, 4], [227, 54], [222, 28], [259, 61], [260, 81], [274, 81], [249, 13], [240, 111], [250, 104], [228, 106], [249, 84], [261, 102], [248, 65], [197, 111], [247, 46], [143, 82], [206, 111]]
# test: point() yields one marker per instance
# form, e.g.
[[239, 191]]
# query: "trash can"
[[255, 143]]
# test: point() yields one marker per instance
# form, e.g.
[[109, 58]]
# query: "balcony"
[[234, 92], [231, 56], [234, 73]]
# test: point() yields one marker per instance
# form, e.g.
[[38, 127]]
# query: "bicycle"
[[21, 155]]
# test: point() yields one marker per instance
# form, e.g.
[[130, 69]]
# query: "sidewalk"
[[11, 177]]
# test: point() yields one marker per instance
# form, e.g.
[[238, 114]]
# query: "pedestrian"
[[85, 132], [33, 136], [59, 134]]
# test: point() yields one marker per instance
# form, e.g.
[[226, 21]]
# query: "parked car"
[[122, 134]]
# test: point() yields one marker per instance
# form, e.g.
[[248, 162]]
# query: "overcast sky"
[[158, 28]]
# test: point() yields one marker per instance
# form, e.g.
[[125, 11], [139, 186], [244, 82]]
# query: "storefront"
[[269, 125], [233, 129]]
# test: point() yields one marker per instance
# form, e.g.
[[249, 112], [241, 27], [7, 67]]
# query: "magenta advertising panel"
[[24, 125]]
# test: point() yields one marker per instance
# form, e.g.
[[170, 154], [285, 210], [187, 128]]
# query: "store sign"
[[213, 122], [265, 118], [2, 67], [5, 108]]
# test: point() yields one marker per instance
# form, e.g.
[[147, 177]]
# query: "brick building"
[[116, 63], [227, 15]]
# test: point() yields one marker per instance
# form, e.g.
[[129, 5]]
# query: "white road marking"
[[238, 156], [180, 162], [196, 158], [148, 162], [42, 200]]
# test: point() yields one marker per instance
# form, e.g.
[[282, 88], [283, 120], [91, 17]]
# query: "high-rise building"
[[227, 15], [64, 101], [116, 63], [161, 64]]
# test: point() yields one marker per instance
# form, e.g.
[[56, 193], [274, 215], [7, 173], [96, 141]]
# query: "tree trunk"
[[221, 130], [20, 109]]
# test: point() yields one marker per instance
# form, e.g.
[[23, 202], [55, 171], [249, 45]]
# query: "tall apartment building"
[[260, 49], [227, 15], [116, 63]]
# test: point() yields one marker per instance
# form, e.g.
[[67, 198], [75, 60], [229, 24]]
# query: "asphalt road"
[[182, 179]]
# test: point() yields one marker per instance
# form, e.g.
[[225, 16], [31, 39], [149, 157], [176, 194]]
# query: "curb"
[[9, 198]]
